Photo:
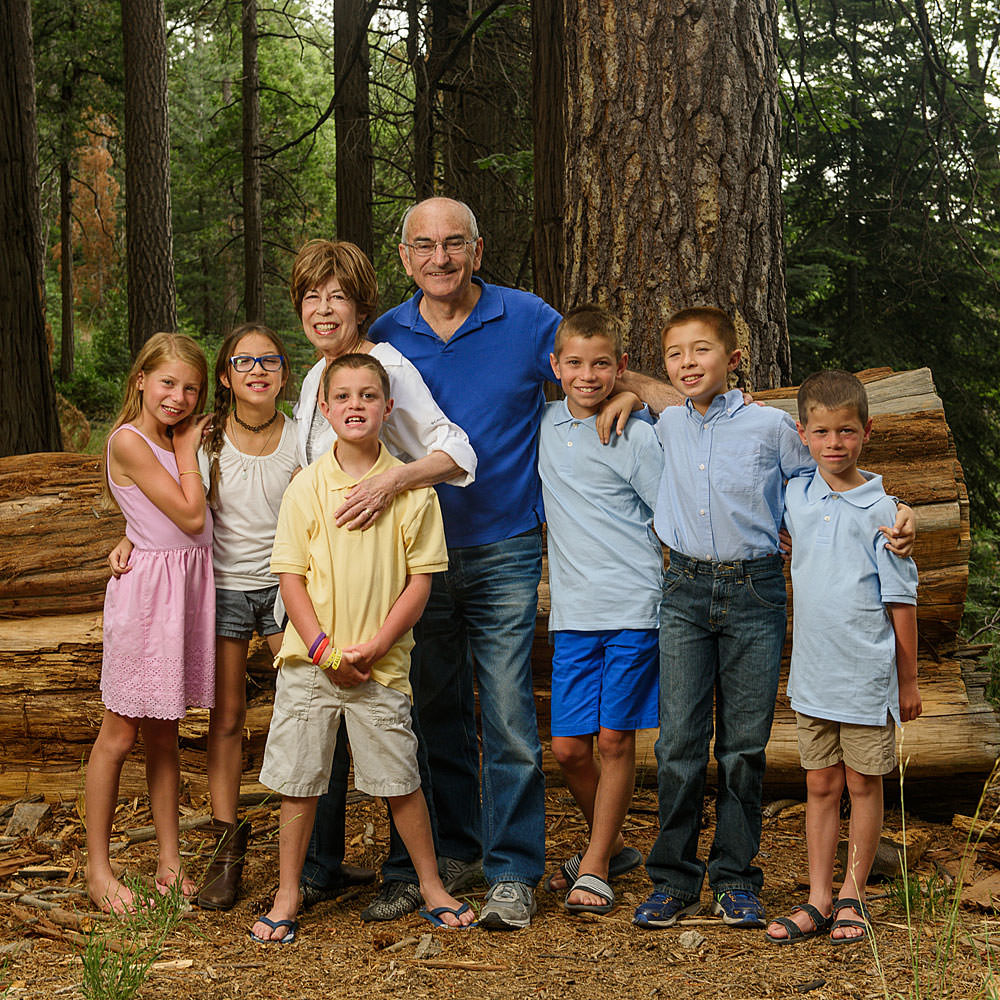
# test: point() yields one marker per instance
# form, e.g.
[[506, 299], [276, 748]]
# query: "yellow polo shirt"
[[354, 577]]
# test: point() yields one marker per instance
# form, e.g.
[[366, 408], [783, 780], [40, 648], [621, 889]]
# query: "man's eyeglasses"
[[245, 363], [452, 246]]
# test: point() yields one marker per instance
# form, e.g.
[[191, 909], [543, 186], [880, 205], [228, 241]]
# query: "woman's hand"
[[119, 557], [366, 501]]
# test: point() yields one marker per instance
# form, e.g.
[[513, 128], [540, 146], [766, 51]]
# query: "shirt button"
[[569, 444], [826, 517], [708, 557], [702, 467], [701, 512]]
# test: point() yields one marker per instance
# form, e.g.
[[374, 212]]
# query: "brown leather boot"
[[222, 880]]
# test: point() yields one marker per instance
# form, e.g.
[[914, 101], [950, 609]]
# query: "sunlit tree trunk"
[[28, 417], [152, 298], [673, 192]]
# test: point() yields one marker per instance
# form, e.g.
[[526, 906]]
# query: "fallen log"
[[53, 572]]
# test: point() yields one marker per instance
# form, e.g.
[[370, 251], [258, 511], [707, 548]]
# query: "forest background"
[[276, 114]]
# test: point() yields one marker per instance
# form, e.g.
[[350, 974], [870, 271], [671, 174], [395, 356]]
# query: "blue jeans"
[[326, 845], [480, 620], [722, 626]]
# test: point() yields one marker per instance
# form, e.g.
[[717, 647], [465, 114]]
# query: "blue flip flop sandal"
[[434, 916], [292, 925]]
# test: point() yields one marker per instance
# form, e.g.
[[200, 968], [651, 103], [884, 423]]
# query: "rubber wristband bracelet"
[[317, 656], [315, 645], [333, 662]]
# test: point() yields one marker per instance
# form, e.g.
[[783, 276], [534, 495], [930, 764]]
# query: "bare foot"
[[437, 897], [111, 896], [167, 878]]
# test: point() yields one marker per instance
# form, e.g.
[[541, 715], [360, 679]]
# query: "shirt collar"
[[863, 496], [488, 307], [725, 405], [337, 479], [563, 416]]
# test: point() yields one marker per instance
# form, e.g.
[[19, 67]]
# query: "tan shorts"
[[865, 749], [300, 742]]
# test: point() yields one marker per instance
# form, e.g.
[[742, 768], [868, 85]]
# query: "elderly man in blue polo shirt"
[[483, 351]]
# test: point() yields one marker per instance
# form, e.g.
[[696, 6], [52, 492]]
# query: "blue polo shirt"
[[599, 507], [843, 644], [488, 378], [722, 494]]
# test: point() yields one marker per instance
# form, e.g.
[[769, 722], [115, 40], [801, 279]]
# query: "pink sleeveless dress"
[[159, 620]]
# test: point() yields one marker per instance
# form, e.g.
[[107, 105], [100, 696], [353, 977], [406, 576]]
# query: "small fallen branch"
[[439, 963], [143, 833]]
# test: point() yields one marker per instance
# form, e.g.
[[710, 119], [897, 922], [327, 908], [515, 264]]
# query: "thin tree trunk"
[[353, 130], [253, 232], [423, 136], [152, 297], [673, 190], [28, 418], [548, 104], [67, 346]]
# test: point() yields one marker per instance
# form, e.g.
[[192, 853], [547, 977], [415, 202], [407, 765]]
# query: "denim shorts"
[[605, 679], [240, 613]]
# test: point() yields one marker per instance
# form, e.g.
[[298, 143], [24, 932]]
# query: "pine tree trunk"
[[673, 190], [253, 233], [28, 418], [351, 117], [152, 298], [66, 343]]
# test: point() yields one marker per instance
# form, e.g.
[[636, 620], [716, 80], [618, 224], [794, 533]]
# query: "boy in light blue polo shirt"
[[853, 675], [599, 507], [722, 623]]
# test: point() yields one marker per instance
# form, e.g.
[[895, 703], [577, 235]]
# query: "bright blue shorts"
[[608, 679]]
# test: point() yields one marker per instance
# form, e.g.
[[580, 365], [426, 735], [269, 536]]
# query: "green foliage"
[[111, 973], [892, 188], [981, 621]]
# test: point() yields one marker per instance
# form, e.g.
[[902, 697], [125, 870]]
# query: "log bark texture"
[[53, 572]]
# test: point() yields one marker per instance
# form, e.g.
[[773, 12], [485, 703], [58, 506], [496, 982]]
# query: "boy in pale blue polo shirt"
[[853, 675], [722, 623], [599, 509]]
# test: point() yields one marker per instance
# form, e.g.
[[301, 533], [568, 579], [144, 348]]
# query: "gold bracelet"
[[191, 472]]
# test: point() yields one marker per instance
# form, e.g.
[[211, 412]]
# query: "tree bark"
[[673, 192], [66, 344], [351, 119], [152, 297], [548, 107], [253, 232], [423, 134], [28, 417]]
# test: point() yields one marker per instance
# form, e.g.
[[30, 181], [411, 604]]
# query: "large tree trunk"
[[351, 118], [673, 190], [67, 345], [152, 297], [28, 418], [253, 232]]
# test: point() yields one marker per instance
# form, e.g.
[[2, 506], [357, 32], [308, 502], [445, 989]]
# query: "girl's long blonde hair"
[[224, 396], [158, 350]]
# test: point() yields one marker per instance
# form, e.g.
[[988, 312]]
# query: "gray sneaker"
[[508, 907], [394, 900], [457, 875]]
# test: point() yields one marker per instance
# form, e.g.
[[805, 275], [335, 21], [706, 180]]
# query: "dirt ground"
[[558, 956]]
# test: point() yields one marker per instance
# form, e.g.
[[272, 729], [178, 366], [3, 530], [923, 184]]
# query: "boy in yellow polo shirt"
[[352, 598]]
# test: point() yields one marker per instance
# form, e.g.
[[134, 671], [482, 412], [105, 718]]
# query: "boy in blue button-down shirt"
[[722, 623], [853, 675], [599, 509]]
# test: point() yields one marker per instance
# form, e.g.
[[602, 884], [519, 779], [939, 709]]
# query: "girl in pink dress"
[[159, 622]]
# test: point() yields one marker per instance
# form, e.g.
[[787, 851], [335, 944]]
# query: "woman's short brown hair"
[[320, 260]]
